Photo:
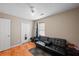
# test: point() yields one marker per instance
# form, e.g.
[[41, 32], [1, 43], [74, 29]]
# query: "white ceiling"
[[23, 10]]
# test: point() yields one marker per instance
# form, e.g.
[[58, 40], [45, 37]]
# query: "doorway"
[[25, 32], [4, 34]]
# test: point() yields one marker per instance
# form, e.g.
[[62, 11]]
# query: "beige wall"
[[15, 28], [63, 25], [15, 31]]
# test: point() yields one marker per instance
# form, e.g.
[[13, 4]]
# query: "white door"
[[25, 31], [4, 34]]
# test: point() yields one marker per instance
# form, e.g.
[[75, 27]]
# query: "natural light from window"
[[41, 29]]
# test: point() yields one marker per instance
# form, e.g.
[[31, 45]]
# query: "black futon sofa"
[[53, 46]]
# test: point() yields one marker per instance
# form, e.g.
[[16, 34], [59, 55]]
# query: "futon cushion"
[[47, 43], [59, 42], [42, 38]]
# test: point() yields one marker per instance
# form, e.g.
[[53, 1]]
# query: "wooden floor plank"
[[22, 50]]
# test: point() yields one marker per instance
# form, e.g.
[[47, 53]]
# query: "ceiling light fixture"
[[32, 9], [42, 14]]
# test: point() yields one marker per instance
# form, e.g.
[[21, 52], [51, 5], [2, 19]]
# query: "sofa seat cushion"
[[58, 49], [47, 43]]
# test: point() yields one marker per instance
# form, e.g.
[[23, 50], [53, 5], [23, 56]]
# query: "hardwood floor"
[[22, 50]]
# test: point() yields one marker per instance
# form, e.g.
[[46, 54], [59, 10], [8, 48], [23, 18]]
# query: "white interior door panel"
[[4, 34]]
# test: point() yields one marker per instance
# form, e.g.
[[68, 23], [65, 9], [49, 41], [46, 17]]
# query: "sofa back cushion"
[[43, 38], [58, 42]]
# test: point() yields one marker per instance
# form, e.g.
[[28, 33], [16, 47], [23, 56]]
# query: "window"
[[41, 29]]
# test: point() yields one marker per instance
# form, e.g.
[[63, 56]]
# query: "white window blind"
[[41, 29]]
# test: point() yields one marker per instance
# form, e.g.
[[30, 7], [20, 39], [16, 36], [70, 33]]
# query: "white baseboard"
[[18, 44], [14, 46]]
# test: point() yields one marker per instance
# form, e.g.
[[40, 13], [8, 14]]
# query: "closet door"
[[4, 34]]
